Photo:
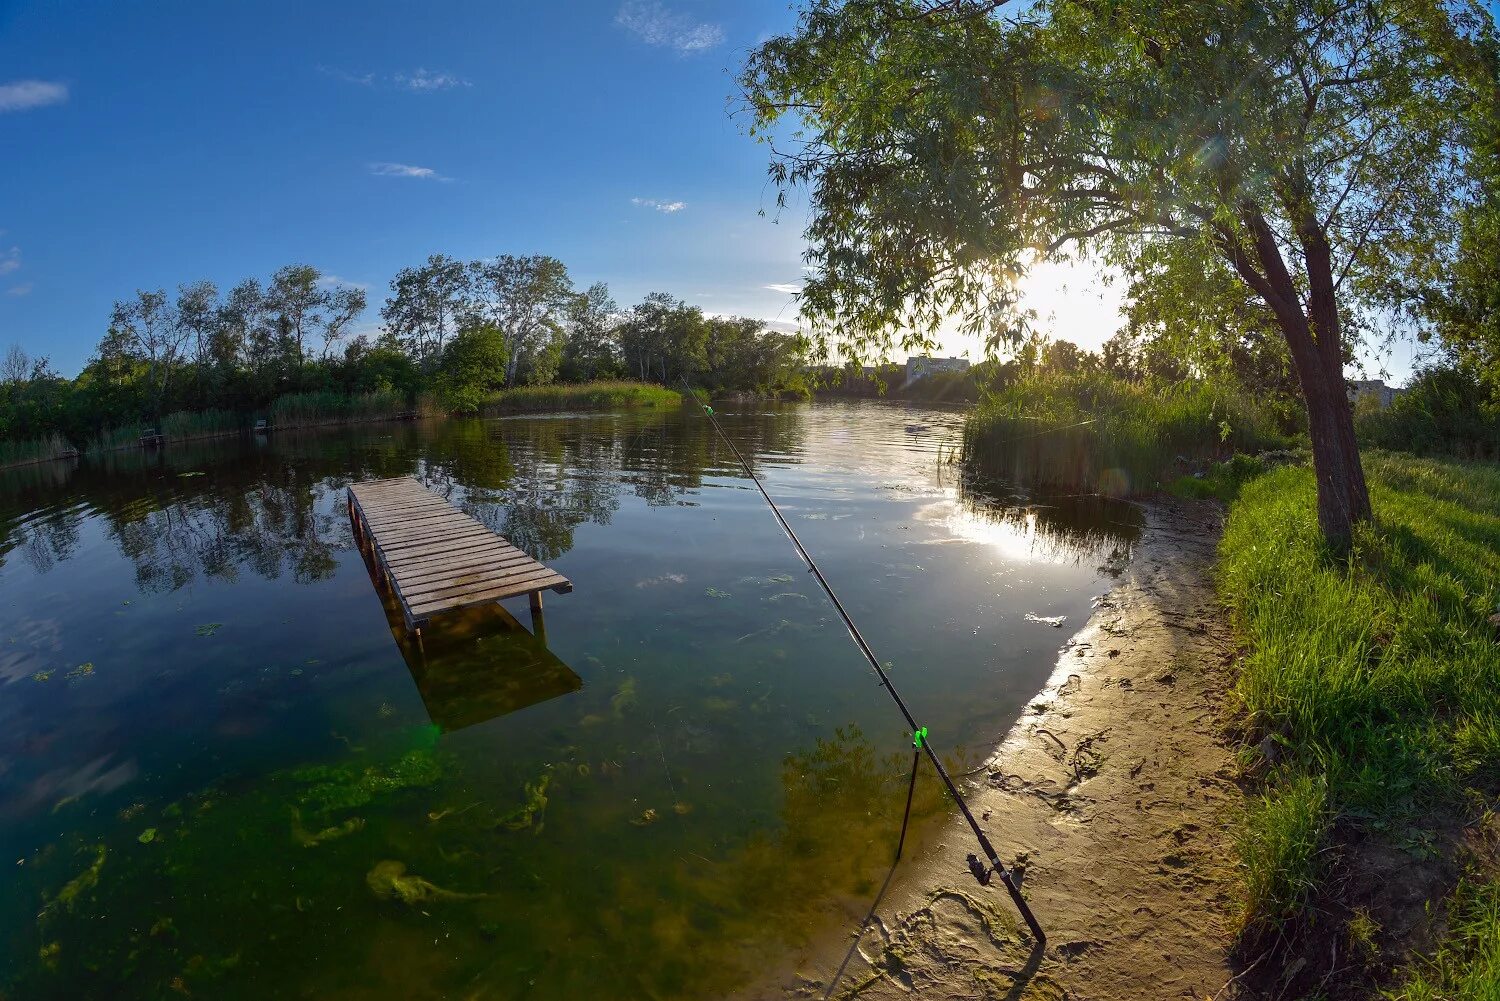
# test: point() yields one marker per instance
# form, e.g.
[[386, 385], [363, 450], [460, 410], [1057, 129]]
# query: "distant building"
[[917, 368], [1384, 395]]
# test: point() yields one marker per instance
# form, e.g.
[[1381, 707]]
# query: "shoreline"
[[1115, 791]]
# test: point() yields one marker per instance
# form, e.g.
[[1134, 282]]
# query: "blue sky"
[[148, 144]]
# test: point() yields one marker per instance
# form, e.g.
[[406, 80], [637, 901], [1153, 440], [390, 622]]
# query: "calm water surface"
[[224, 772]]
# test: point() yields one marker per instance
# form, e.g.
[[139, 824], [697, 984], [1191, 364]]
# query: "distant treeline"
[[452, 334]]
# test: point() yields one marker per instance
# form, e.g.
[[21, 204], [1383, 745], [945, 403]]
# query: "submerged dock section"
[[436, 559]]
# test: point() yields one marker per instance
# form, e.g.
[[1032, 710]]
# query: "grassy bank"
[[1370, 692], [1097, 432], [607, 395]]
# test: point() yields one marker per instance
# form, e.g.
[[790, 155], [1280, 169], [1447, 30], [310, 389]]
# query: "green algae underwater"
[[687, 778]]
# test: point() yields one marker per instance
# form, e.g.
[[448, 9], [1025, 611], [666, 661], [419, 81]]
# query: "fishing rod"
[[981, 871]]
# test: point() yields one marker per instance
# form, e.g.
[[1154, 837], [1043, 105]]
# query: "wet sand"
[[1115, 791]]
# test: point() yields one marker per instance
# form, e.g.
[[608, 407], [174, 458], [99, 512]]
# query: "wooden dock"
[[434, 558]]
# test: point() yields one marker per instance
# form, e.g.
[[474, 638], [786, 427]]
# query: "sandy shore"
[[1114, 791]]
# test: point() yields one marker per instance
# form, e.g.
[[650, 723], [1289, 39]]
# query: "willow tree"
[[1314, 148]]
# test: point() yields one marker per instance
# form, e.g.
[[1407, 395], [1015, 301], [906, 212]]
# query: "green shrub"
[[1443, 412]]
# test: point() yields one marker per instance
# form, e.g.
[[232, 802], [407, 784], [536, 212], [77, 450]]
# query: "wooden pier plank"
[[438, 558]]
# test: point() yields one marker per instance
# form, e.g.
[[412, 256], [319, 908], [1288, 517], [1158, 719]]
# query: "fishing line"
[[981, 871]]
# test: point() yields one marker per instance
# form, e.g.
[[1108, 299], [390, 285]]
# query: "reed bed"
[[305, 409], [1095, 432], [21, 453], [603, 395], [187, 424]]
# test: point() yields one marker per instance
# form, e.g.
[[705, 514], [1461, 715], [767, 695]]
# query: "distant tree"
[[1317, 150], [664, 339], [305, 306], [428, 304], [591, 351], [473, 365], [198, 313], [1066, 357], [146, 332], [525, 299], [1118, 355], [16, 367]]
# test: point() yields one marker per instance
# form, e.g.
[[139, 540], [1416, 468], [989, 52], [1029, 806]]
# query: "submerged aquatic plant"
[[78, 885], [530, 812], [301, 835], [388, 880], [332, 788], [624, 698]]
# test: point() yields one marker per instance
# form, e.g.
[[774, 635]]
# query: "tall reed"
[[297, 409], [1097, 432], [49, 446], [602, 395]]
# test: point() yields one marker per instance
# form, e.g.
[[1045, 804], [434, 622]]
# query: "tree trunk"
[[1316, 346], [1343, 499]]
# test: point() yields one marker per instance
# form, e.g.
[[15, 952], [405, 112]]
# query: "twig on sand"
[[1243, 973]]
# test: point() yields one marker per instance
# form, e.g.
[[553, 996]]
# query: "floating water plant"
[[714, 592], [147, 836], [209, 628], [388, 880], [81, 671], [41, 676]]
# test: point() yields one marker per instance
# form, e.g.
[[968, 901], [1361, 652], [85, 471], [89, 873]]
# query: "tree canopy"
[[1318, 151]]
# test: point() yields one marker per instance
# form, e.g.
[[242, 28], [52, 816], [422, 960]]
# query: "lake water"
[[225, 772]]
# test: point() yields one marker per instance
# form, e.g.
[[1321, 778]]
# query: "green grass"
[[1374, 677], [1097, 432], [605, 395], [187, 424], [298, 409], [20, 453], [1466, 966]]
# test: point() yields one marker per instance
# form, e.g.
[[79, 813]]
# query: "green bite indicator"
[[918, 736]]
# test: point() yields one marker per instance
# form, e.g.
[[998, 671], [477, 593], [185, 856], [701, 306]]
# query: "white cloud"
[[786, 287], [22, 289], [419, 81], [656, 25], [659, 205], [334, 281], [427, 81], [360, 79], [10, 260], [405, 170], [25, 94]]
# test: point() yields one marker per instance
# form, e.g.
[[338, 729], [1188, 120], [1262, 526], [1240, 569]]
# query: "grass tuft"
[[1466, 966], [1278, 845]]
